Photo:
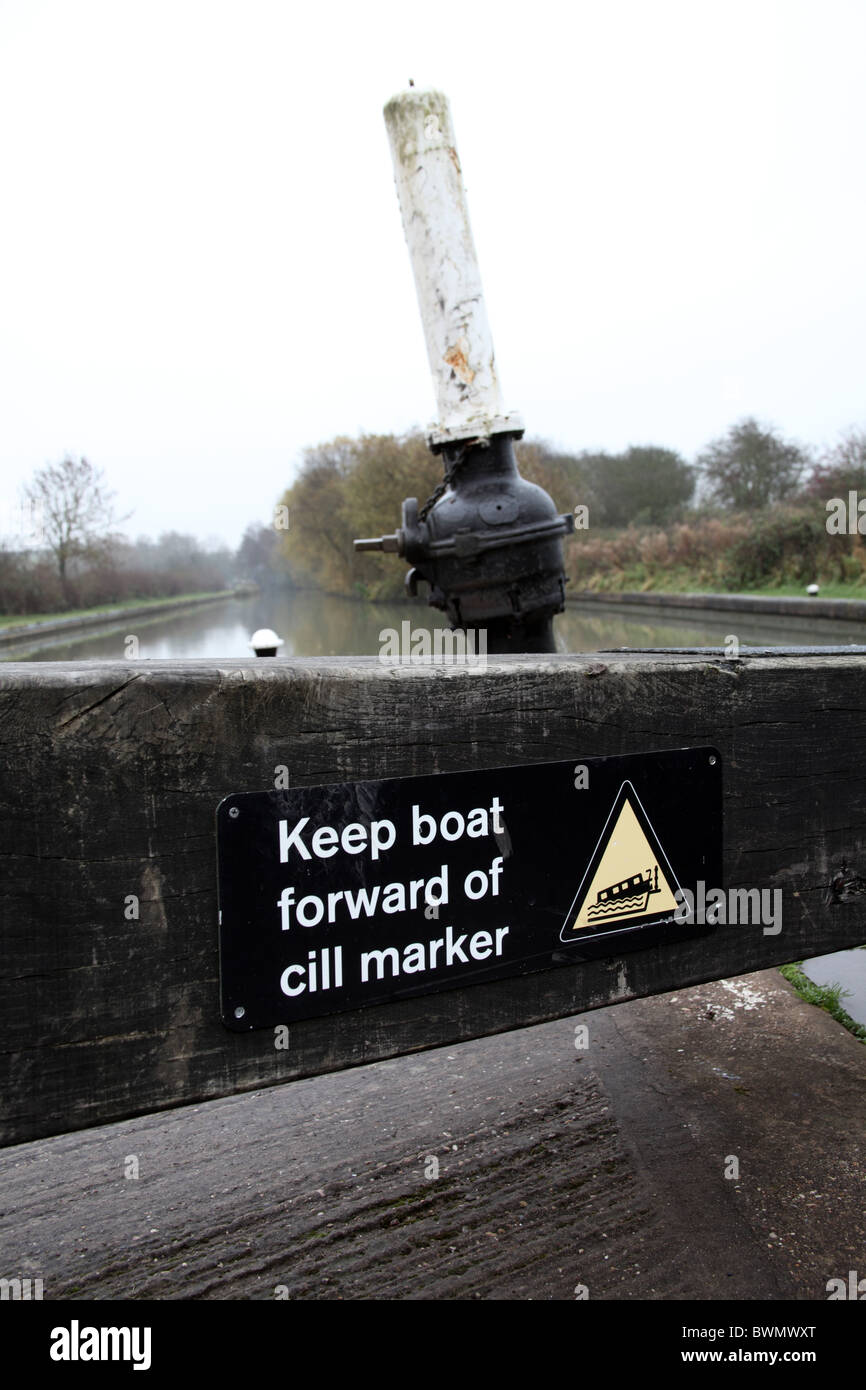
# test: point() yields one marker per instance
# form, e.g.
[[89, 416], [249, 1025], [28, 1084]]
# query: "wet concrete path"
[[521, 1167]]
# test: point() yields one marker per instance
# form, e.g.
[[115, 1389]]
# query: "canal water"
[[318, 625]]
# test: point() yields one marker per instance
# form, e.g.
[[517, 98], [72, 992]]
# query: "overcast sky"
[[202, 266]]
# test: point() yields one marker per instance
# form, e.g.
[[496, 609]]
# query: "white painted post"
[[436, 223]]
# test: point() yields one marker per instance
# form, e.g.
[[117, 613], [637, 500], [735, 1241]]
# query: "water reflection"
[[309, 624]]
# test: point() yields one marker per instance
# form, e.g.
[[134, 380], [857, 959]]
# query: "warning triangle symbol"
[[628, 881]]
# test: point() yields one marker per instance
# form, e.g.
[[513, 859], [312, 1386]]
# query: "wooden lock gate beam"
[[111, 773]]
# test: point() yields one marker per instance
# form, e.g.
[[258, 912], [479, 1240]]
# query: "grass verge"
[[8, 620], [827, 997]]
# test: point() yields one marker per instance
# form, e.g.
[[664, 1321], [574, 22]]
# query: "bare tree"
[[842, 468], [77, 513]]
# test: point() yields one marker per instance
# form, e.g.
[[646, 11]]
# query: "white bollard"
[[436, 223], [265, 641]]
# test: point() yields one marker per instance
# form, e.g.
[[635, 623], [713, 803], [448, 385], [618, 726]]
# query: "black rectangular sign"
[[339, 897]]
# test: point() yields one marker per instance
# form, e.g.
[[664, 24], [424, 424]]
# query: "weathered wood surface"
[[111, 773]]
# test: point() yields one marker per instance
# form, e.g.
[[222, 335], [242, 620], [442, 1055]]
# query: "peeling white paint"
[[447, 279]]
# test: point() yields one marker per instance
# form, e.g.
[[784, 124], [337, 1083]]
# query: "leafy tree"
[[387, 468], [319, 541], [644, 484], [348, 488], [750, 467], [77, 514]]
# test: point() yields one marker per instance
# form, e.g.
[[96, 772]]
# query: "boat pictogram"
[[629, 895]]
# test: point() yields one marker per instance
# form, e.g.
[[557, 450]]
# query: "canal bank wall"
[[846, 609], [24, 633]]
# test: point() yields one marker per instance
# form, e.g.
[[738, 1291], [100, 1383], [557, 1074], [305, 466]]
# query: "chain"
[[450, 475]]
